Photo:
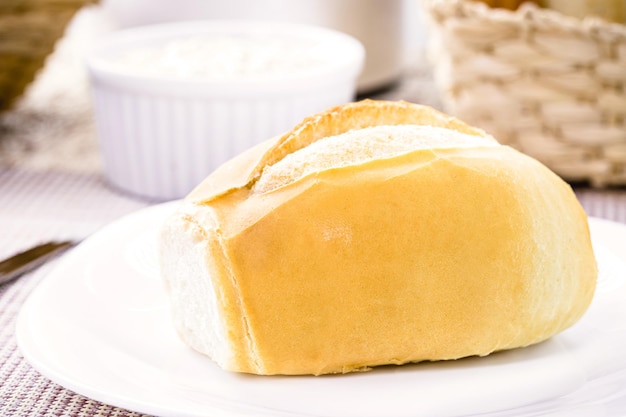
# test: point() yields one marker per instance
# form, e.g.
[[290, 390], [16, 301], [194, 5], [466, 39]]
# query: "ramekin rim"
[[101, 68]]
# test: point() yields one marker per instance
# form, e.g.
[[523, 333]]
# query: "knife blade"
[[30, 259]]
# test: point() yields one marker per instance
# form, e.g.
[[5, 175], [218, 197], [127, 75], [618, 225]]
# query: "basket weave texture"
[[29, 30], [551, 86]]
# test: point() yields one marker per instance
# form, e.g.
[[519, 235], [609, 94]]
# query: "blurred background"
[[545, 76], [49, 122]]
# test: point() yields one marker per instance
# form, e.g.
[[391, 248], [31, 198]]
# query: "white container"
[[161, 133], [387, 28]]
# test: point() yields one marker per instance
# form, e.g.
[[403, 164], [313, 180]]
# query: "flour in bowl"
[[227, 57]]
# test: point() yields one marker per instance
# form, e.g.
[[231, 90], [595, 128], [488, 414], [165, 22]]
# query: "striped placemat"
[[36, 207]]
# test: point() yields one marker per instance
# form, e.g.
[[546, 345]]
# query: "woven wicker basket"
[[29, 30], [550, 85]]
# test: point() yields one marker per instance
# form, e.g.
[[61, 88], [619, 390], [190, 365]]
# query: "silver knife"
[[23, 262]]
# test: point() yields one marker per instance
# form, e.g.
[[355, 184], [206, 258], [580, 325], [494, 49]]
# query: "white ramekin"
[[160, 136]]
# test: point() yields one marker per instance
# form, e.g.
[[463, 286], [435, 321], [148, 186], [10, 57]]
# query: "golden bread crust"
[[430, 255]]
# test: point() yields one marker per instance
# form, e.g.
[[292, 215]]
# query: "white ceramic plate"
[[99, 325]]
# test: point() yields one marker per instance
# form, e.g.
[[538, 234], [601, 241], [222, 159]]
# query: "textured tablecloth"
[[36, 207]]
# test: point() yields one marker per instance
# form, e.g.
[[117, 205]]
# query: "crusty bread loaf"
[[375, 233]]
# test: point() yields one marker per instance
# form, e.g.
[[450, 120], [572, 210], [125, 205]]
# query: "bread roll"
[[375, 233]]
